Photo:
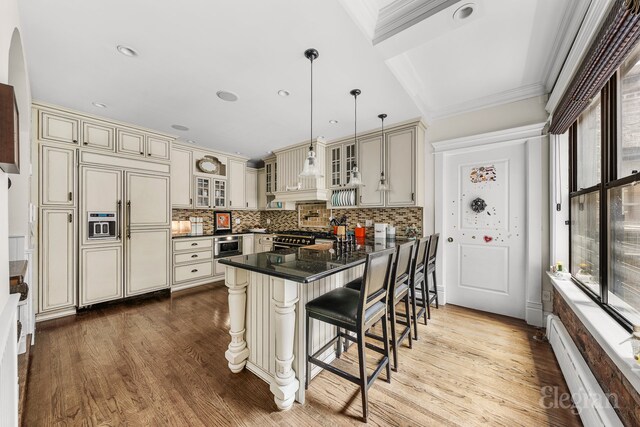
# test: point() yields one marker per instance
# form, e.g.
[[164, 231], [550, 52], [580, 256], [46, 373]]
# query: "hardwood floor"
[[161, 362]]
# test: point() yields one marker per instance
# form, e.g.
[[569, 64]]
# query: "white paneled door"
[[484, 239]]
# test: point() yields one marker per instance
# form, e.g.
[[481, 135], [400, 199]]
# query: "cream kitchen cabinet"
[[181, 178], [371, 162], [219, 193], [136, 143], [263, 243], [248, 244], [236, 192], [147, 261], [262, 189], [58, 127], [57, 176], [97, 135], [58, 282], [202, 187], [147, 200], [271, 175], [251, 188], [400, 168], [101, 267], [192, 261], [341, 158]]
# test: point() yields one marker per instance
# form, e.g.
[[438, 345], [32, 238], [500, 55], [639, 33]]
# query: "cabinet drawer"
[[192, 272], [188, 245], [193, 256]]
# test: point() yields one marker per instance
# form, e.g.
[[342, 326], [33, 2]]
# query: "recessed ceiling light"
[[191, 141], [99, 104], [463, 12], [237, 152], [333, 122], [227, 96], [180, 127], [126, 50], [283, 92]]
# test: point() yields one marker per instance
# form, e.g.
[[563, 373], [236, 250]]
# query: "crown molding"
[[572, 18], [513, 134], [597, 12], [402, 14]]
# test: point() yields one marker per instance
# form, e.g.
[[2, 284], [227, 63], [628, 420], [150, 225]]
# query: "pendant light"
[[311, 168], [382, 185], [355, 179]]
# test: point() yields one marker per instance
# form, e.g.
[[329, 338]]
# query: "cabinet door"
[[247, 244], [349, 161], [147, 261], [101, 191], [57, 260], [181, 181], [158, 148], [400, 172], [58, 128], [147, 198], [100, 274], [96, 135], [335, 167], [219, 193], [130, 142], [203, 192], [57, 176], [371, 161], [251, 189], [269, 178], [236, 184], [262, 189]]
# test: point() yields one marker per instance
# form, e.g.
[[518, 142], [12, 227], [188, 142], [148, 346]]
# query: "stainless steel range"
[[296, 239]]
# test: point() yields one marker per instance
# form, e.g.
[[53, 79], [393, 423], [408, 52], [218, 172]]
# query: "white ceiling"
[[190, 50], [409, 58]]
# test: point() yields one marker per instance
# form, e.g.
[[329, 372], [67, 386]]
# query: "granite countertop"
[[186, 235], [306, 265]]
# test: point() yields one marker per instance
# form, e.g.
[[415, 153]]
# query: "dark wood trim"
[[9, 130]]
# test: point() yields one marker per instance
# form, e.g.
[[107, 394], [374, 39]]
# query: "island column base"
[[237, 353]]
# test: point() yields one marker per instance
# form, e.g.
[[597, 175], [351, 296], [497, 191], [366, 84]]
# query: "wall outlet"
[[546, 295], [268, 221], [237, 220], [368, 223]]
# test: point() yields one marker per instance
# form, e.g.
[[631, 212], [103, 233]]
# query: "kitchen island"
[[267, 296]]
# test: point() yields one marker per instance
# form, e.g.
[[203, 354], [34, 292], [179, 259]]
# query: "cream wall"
[[9, 21], [506, 116]]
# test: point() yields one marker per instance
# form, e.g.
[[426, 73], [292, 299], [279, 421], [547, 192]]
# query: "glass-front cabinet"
[[342, 158], [219, 193], [203, 192], [271, 174]]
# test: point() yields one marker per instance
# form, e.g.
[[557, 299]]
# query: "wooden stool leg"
[[385, 337], [406, 307], [363, 375], [394, 342], [435, 287], [425, 298], [307, 376], [414, 304]]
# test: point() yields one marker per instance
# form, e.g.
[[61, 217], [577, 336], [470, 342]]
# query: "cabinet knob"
[[195, 270], [194, 244], [75, 141], [149, 154], [85, 143], [194, 256]]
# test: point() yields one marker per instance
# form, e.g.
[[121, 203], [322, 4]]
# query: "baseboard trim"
[[41, 317]]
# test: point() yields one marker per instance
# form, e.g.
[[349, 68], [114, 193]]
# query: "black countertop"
[[304, 265], [187, 235]]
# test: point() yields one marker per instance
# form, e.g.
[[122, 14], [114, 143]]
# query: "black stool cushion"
[[355, 284], [340, 307]]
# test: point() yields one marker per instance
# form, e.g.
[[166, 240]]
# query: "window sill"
[[605, 330]]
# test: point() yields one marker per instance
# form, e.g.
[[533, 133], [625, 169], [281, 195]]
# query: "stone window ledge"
[[604, 329]]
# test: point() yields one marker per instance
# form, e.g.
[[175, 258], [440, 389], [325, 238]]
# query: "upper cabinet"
[[97, 135], [57, 176], [58, 127], [130, 142], [251, 188], [400, 170], [237, 174], [341, 159], [262, 189], [271, 175], [158, 148], [181, 178], [371, 162]]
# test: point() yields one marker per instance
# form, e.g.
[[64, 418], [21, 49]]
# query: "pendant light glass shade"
[[355, 178], [311, 168], [382, 184]]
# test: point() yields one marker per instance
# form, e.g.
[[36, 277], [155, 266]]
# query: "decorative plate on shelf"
[[209, 164]]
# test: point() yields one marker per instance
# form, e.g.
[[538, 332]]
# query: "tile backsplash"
[[312, 217]]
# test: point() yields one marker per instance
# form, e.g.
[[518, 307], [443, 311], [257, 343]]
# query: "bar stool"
[[355, 312], [399, 291], [431, 271], [418, 281]]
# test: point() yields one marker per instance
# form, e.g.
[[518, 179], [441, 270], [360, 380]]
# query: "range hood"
[[306, 196]]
